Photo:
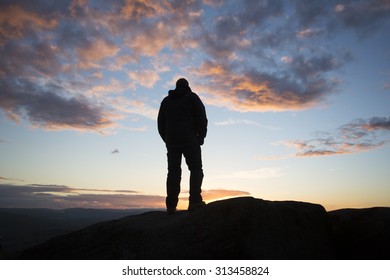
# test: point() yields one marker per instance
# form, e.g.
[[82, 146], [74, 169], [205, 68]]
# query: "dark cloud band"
[[60, 197]]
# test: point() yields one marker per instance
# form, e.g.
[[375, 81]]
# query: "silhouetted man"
[[182, 124]]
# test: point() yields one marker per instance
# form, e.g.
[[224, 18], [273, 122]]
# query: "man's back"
[[182, 118]]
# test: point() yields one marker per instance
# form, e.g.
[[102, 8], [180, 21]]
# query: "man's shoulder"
[[165, 99], [193, 95], [195, 98]]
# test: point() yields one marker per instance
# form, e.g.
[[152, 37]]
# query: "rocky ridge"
[[237, 228]]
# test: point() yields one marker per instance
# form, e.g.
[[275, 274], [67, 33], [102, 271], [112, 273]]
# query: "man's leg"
[[174, 177], [193, 157]]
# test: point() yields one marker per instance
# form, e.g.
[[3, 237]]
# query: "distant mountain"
[[22, 228]]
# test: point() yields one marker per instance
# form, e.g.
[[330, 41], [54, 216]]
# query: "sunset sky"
[[297, 95]]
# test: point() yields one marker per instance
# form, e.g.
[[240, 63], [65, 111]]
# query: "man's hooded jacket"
[[182, 117]]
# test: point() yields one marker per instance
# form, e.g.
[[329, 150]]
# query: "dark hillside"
[[22, 228], [240, 228]]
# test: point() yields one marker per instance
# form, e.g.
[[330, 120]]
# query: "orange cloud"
[[256, 91], [16, 21], [145, 78], [58, 197], [113, 87], [211, 195], [121, 61], [137, 9], [151, 40], [50, 53], [95, 52], [215, 194]]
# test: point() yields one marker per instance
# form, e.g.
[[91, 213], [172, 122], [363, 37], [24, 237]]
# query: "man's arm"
[[161, 124], [200, 118]]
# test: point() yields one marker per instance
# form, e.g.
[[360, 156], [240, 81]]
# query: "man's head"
[[182, 83]]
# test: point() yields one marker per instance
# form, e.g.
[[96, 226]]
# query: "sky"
[[297, 95]]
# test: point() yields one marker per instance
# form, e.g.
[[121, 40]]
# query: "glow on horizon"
[[297, 95]]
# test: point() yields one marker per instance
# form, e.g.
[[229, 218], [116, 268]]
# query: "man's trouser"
[[193, 158]]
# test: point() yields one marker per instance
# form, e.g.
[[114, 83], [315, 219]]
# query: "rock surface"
[[238, 228], [21, 228], [361, 233]]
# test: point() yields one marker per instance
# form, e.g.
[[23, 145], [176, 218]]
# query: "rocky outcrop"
[[361, 233], [239, 228], [22, 228]]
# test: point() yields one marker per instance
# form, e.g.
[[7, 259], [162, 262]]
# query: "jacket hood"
[[179, 91]]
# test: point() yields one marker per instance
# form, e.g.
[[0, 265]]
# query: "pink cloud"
[[139, 9], [59, 197], [16, 21], [354, 137], [252, 90], [50, 53], [91, 55], [145, 78]]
